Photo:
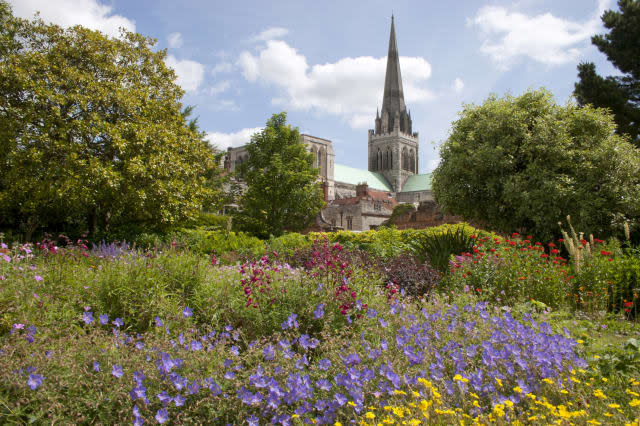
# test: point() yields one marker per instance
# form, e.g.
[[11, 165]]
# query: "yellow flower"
[[499, 382], [563, 391], [635, 403], [337, 424], [415, 394], [580, 341], [462, 379], [573, 379], [425, 382], [532, 418], [630, 392], [614, 406], [399, 392], [548, 380], [476, 403], [398, 412], [351, 403], [599, 394], [474, 395], [593, 422], [517, 389], [604, 379], [508, 403], [596, 357], [369, 415]]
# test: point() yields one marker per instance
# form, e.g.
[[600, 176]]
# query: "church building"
[[362, 199]]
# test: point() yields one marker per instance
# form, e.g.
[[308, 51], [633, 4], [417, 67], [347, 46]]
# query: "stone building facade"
[[362, 199]]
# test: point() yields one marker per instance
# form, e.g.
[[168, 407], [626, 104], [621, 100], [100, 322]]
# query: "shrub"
[[412, 278], [220, 242], [437, 249]]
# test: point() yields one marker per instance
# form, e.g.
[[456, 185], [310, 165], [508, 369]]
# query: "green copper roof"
[[355, 176], [417, 183]]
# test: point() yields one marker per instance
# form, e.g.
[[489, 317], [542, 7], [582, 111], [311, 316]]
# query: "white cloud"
[[222, 67], [190, 73], [458, 85], [226, 140], [350, 87], [66, 13], [219, 88], [544, 38], [175, 40], [271, 33]]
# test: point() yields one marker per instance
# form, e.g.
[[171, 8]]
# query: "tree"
[[282, 189], [92, 131], [621, 94], [524, 163]]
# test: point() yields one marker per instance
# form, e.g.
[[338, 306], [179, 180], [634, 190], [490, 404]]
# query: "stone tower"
[[393, 148]]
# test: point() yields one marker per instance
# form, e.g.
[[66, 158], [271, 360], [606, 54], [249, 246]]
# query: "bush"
[[412, 278], [437, 249], [220, 242]]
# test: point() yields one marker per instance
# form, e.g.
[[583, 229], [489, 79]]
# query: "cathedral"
[[360, 199]]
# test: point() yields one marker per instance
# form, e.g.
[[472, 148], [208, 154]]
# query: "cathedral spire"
[[393, 100]]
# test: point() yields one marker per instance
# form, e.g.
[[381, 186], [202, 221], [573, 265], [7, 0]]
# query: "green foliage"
[[282, 193], [93, 132], [620, 94], [219, 242], [438, 248], [522, 163], [287, 243]]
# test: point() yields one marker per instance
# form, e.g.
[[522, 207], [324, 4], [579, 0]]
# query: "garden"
[[447, 325]]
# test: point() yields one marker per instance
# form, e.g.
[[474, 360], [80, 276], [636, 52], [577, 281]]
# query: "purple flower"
[[37, 277], [116, 371], [324, 364], [158, 322], [104, 319], [162, 415], [87, 317], [234, 350], [164, 397], [252, 420], [229, 375], [187, 312], [269, 353], [307, 343], [196, 345], [291, 322], [138, 377], [319, 311], [340, 399], [179, 400], [96, 366], [35, 380], [118, 322], [323, 384]]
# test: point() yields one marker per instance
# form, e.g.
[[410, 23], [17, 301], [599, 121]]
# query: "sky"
[[323, 62]]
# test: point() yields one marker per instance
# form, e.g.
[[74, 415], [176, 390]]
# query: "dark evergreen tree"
[[621, 94]]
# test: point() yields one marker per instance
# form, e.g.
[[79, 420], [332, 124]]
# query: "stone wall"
[[428, 214]]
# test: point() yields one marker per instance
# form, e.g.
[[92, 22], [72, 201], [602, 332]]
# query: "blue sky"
[[323, 61]]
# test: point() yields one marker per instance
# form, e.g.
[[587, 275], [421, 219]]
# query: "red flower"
[[551, 245], [628, 304], [544, 256], [554, 251], [605, 253], [560, 240]]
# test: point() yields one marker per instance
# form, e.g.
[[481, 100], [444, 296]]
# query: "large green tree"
[[524, 163], [282, 191], [93, 131], [621, 94]]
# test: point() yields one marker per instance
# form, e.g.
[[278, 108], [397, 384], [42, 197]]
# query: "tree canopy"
[[93, 132], [621, 94], [524, 163], [282, 190]]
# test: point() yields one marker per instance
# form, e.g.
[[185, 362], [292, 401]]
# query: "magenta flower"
[[38, 278]]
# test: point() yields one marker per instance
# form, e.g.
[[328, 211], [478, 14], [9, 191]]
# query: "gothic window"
[[379, 167], [391, 159], [386, 160], [349, 222], [412, 162], [333, 222], [405, 159], [319, 159]]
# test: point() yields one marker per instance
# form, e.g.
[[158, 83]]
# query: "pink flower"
[[38, 278]]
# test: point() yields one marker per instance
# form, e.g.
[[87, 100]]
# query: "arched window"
[[405, 159], [386, 160], [391, 159], [412, 161], [320, 159]]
